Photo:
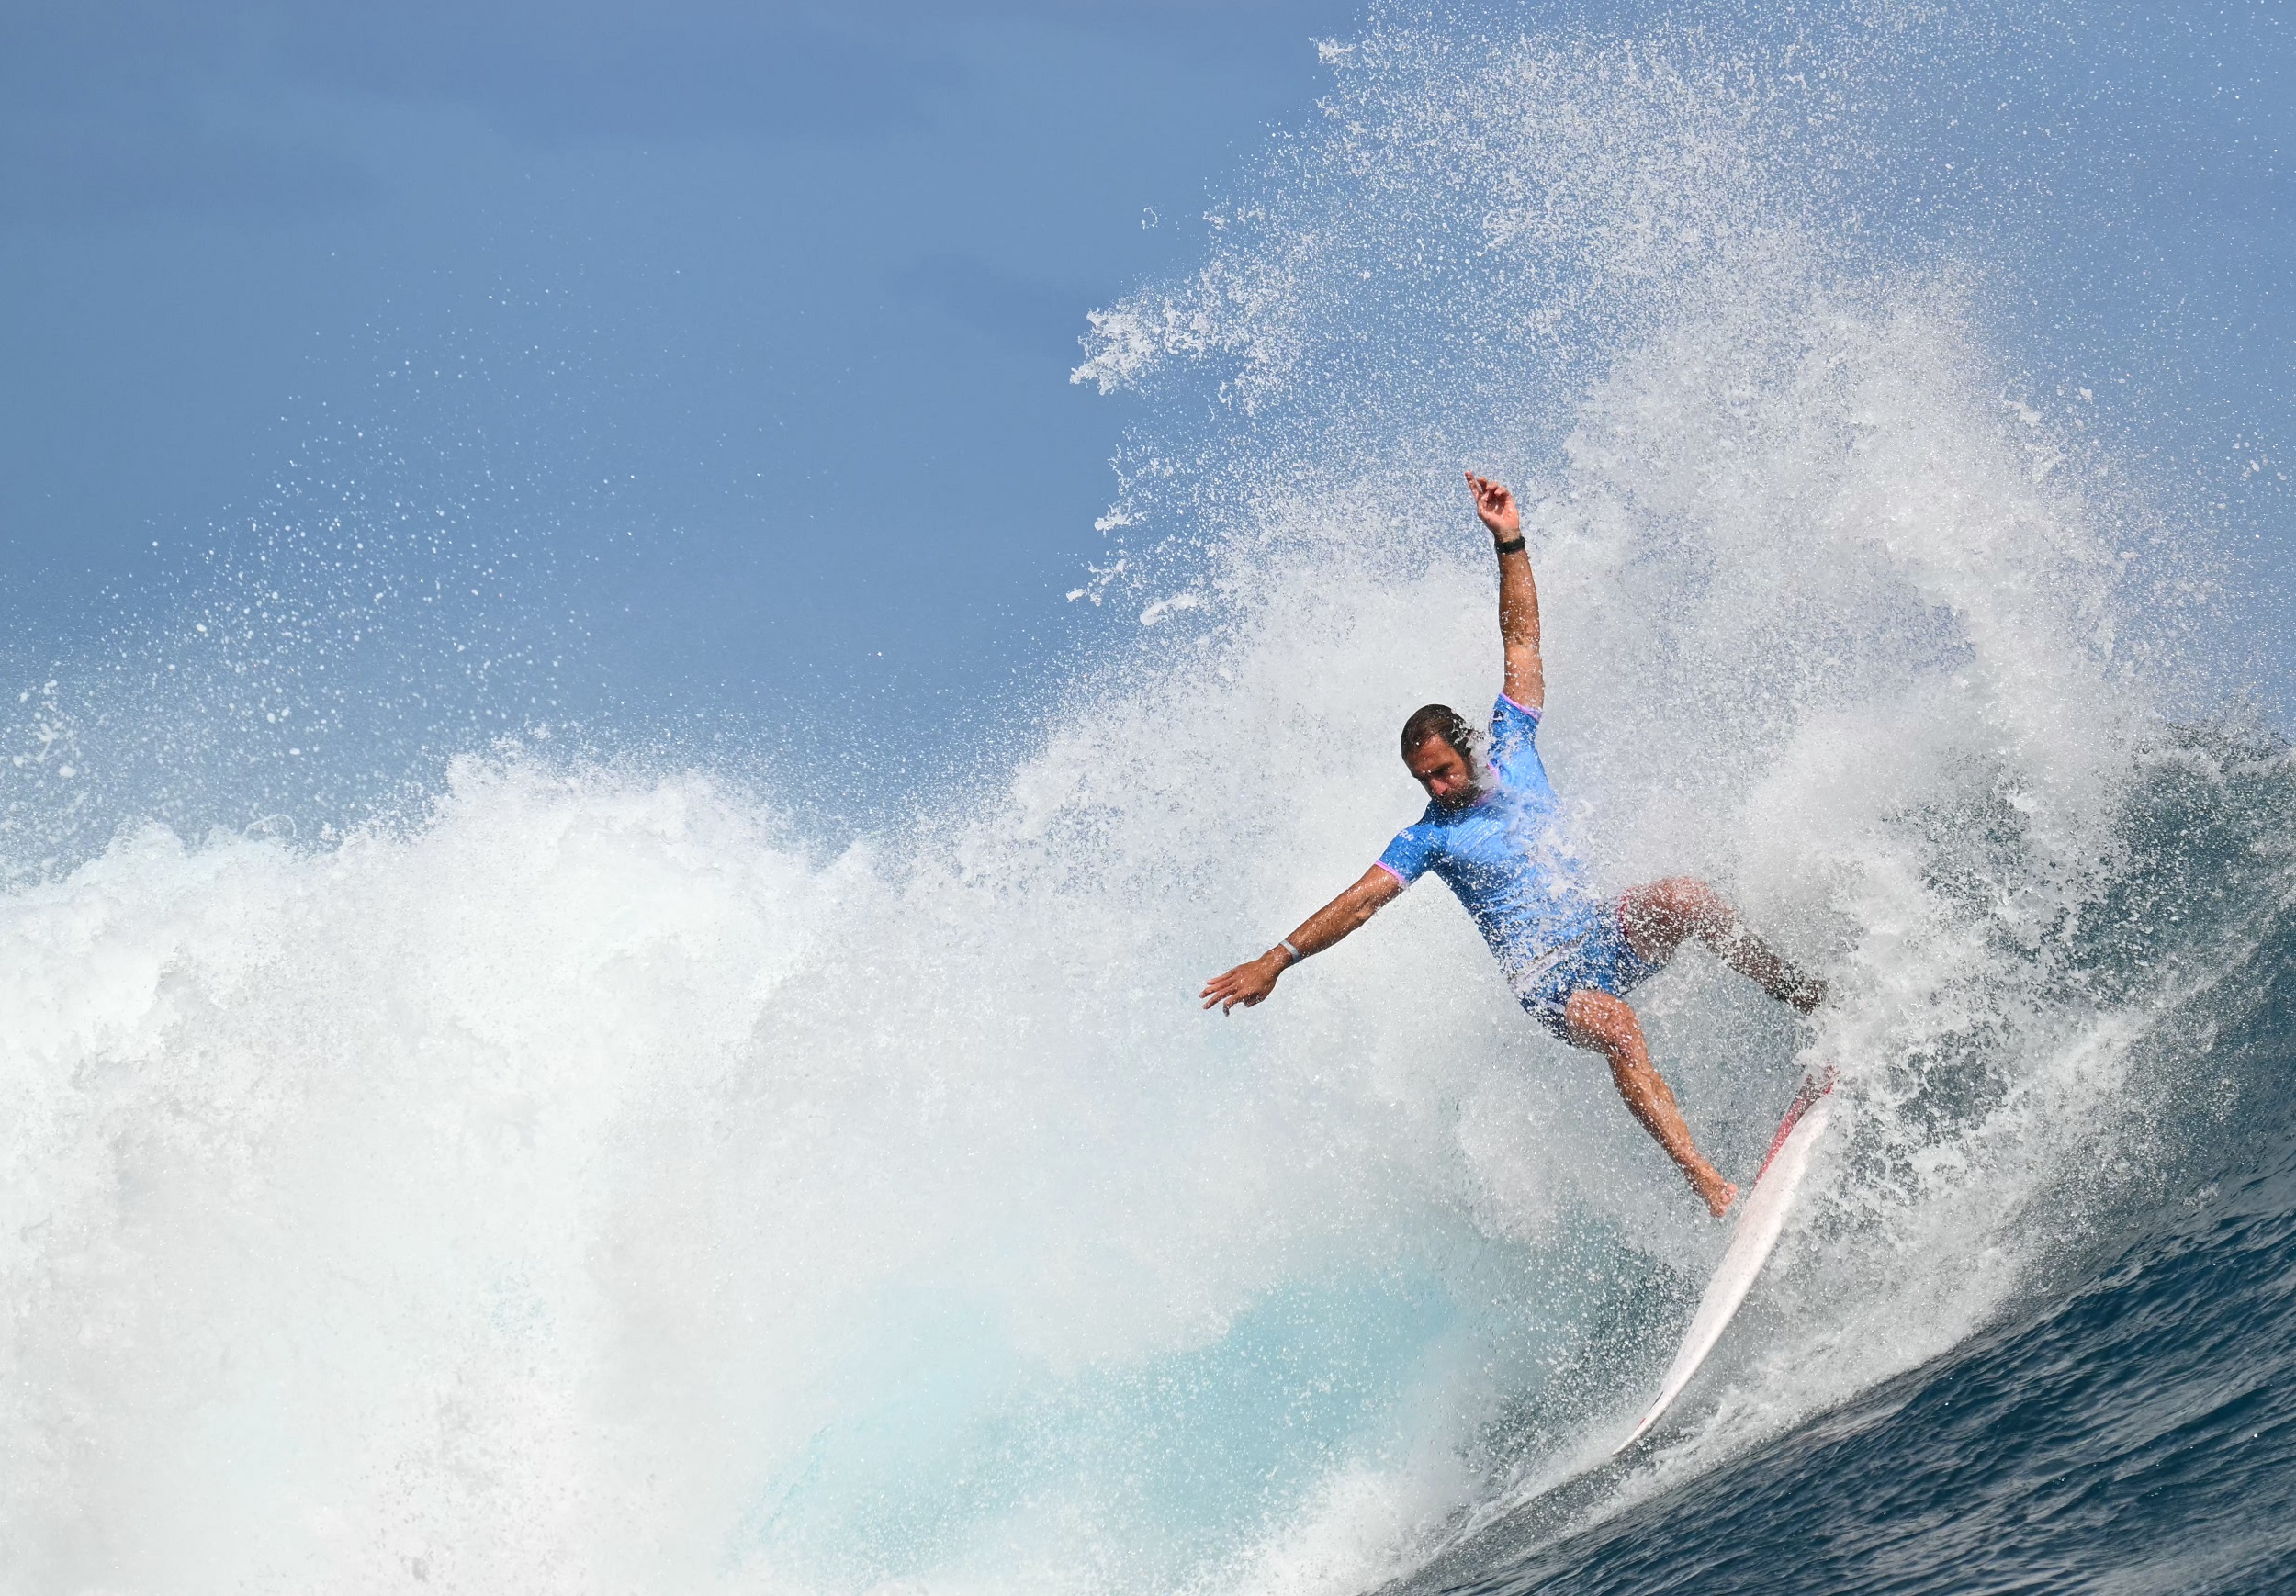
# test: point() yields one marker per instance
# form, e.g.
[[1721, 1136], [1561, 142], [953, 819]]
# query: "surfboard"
[[1760, 1223]]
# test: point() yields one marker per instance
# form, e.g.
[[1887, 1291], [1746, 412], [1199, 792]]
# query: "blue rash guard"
[[1505, 858]]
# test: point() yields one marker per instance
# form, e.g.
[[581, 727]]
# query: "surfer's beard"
[[1467, 797]]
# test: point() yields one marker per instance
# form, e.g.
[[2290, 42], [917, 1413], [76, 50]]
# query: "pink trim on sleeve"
[[1392, 870], [1525, 708]]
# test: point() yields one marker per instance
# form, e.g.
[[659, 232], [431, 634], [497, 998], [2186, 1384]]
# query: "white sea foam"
[[592, 1187]]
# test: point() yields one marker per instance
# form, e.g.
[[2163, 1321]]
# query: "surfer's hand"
[[1718, 1197], [1246, 984], [1495, 505]]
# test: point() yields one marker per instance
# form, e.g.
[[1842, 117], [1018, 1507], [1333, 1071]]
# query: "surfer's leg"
[[1606, 1025], [1661, 915]]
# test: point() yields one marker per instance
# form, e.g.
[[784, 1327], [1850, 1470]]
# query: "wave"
[[589, 1179]]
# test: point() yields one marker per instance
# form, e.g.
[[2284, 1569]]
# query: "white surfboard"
[[1760, 1222]]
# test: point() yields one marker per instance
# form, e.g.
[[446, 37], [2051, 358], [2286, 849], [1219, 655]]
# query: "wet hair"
[[1439, 720]]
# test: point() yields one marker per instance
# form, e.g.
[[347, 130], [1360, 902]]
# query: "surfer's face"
[[1448, 779]]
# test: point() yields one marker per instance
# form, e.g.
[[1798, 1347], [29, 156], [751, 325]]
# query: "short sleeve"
[[1408, 855], [1514, 733]]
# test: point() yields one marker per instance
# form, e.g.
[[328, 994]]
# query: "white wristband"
[[1286, 947]]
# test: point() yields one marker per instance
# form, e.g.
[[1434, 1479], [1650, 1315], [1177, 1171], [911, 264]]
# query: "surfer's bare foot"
[[1806, 994], [1717, 1193]]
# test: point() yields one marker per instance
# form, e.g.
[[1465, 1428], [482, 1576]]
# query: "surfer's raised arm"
[[1518, 594], [1249, 983]]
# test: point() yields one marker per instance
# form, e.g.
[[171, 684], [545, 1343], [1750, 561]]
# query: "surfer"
[[1492, 833]]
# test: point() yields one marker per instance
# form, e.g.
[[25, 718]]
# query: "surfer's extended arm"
[[1248, 983], [1518, 593]]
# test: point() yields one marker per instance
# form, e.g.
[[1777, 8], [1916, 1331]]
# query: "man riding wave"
[[1491, 831]]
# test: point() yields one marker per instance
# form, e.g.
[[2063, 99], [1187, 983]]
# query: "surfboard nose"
[[1761, 1220]]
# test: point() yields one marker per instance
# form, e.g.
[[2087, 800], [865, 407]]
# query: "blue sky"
[[756, 319], [730, 343]]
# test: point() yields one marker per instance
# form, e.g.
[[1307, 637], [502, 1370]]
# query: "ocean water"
[[575, 1165]]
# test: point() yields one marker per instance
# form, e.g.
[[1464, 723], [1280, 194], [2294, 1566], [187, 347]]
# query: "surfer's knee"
[[1602, 1023], [1661, 915], [1703, 911]]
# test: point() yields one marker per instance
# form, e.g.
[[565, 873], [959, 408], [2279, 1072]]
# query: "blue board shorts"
[[1603, 959]]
